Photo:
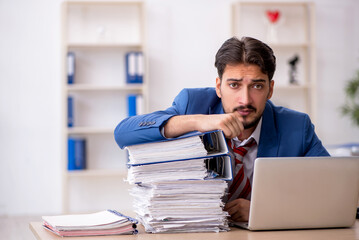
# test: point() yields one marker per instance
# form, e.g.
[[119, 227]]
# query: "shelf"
[[273, 3], [100, 34], [104, 45], [93, 87], [289, 45], [291, 87], [89, 130], [97, 173], [292, 35]]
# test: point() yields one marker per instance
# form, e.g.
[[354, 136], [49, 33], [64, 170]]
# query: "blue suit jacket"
[[284, 132]]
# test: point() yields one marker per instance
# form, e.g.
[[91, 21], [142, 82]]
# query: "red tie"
[[240, 187]]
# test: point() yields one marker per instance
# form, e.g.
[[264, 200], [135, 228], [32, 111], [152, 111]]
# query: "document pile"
[[102, 223], [179, 183]]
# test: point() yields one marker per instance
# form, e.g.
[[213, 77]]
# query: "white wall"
[[338, 59], [30, 106], [182, 37]]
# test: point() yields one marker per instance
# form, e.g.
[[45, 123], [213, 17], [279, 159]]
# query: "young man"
[[240, 107]]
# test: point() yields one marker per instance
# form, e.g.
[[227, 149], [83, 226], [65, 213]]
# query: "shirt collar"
[[255, 135]]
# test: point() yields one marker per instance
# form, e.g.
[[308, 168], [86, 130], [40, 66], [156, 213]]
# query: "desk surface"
[[318, 234]]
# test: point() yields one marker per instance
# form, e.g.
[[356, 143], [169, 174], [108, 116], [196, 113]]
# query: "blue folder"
[[134, 67], [76, 153]]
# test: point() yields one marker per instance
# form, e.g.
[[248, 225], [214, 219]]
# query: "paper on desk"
[[84, 220], [108, 222]]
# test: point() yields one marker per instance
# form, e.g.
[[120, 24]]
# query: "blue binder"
[[134, 67], [70, 112], [139, 67], [131, 103], [76, 153], [70, 67]]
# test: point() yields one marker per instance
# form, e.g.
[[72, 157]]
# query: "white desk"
[[235, 234]]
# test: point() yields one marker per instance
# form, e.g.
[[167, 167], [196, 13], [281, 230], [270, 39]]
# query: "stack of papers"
[[179, 184], [181, 206], [179, 170], [108, 222], [183, 148]]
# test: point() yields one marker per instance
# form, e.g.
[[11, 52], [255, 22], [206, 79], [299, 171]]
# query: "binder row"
[[134, 75], [134, 64]]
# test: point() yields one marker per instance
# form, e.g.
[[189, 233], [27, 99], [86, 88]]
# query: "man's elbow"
[[120, 140]]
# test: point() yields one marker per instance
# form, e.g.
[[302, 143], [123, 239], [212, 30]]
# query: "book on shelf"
[[70, 111], [179, 183], [102, 223], [135, 104], [76, 153], [70, 67], [134, 67]]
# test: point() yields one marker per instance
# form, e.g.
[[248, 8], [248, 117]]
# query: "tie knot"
[[242, 150]]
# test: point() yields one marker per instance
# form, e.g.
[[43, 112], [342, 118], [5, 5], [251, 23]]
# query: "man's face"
[[244, 88]]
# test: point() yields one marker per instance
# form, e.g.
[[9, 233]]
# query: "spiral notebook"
[[102, 223]]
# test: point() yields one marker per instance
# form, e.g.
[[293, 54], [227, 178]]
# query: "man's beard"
[[251, 124], [248, 125]]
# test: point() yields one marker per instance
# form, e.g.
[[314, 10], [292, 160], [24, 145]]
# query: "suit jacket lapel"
[[268, 141]]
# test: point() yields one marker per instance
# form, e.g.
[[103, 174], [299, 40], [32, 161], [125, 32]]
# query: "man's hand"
[[238, 209], [229, 123]]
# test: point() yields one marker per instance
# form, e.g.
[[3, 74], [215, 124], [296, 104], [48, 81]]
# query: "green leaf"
[[352, 87], [351, 107]]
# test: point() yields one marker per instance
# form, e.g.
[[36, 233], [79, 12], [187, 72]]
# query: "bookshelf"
[[100, 34], [292, 34]]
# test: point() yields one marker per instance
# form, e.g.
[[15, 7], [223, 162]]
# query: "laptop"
[[304, 192]]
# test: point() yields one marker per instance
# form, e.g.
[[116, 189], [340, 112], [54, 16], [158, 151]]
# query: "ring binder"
[[180, 182]]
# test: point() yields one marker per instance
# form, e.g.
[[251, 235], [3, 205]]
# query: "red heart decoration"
[[273, 16]]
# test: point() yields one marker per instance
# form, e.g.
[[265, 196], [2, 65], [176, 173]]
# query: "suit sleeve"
[[147, 127], [312, 144]]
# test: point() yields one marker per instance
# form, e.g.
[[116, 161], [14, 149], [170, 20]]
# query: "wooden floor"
[[17, 228]]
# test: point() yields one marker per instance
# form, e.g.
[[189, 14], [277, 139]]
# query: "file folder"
[[70, 67], [76, 153], [70, 111], [134, 67]]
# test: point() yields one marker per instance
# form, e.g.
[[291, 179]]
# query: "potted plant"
[[351, 106]]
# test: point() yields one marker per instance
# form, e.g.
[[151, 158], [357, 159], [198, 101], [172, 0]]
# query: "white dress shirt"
[[248, 159]]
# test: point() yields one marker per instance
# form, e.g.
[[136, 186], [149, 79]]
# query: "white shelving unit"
[[100, 34], [295, 36]]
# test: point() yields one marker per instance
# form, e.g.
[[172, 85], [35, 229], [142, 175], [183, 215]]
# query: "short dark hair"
[[248, 51]]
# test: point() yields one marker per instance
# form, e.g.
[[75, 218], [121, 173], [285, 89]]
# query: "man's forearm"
[[181, 124], [230, 124]]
